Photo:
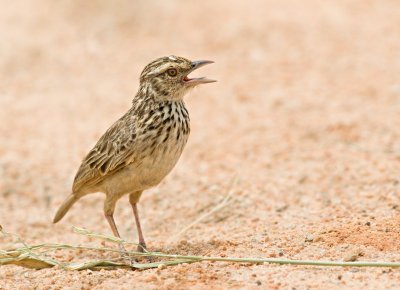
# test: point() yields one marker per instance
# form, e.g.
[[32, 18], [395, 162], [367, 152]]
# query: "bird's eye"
[[172, 72]]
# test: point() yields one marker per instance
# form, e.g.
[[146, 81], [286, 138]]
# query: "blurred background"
[[304, 115]]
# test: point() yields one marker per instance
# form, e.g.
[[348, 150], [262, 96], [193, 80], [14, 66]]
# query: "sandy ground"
[[305, 113]]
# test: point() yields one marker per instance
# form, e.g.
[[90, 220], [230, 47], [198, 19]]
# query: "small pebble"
[[309, 238]]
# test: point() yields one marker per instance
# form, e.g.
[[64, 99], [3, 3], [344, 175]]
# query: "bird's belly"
[[155, 167], [147, 172]]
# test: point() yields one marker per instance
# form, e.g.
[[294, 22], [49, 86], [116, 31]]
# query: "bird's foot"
[[129, 260], [141, 248], [125, 256]]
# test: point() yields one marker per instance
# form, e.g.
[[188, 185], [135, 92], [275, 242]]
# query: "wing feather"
[[114, 150]]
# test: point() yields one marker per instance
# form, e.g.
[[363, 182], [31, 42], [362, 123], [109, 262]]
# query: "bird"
[[142, 147]]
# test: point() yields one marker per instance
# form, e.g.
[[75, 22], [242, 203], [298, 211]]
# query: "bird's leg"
[[110, 219], [133, 199], [109, 214], [142, 244]]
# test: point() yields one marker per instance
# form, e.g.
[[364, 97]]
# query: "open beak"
[[196, 81]]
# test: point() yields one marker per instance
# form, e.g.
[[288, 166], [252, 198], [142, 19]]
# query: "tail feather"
[[64, 208]]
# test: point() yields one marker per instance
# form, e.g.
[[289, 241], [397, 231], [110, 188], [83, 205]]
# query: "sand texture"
[[305, 116]]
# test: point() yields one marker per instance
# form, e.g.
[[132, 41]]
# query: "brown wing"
[[113, 151]]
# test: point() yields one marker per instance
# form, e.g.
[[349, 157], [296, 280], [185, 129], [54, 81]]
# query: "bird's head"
[[168, 78]]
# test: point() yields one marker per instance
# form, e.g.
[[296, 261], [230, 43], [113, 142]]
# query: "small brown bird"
[[143, 146]]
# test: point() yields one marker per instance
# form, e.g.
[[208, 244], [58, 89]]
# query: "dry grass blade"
[[28, 263], [25, 256], [24, 261], [111, 239]]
